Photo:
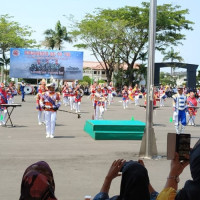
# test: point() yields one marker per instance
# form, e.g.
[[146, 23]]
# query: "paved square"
[[79, 163]]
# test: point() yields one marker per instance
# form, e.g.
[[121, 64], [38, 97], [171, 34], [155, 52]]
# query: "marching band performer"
[[136, 92], [161, 95], [11, 92], [110, 91], [71, 98], [130, 93], [93, 91], [99, 104], [105, 94], [125, 97], [179, 107], [3, 100], [41, 90], [50, 102], [66, 94], [192, 108], [78, 95]]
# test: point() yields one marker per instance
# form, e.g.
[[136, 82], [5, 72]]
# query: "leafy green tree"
[[86, 79], [122, 34], [97, 34], [172, 56], [12, 34], [55, 38], [167, 79]]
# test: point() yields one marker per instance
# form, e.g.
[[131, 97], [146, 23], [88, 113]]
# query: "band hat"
[[180, 87], [43, 81], [51, 85]]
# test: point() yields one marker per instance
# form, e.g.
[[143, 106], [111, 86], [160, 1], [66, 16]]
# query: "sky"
[[43, 14]]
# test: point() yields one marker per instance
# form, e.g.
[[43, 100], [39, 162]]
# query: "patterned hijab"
[[38, 183], [135, 182]]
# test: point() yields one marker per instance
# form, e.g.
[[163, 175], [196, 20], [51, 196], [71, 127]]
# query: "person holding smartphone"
[[134, 182], [191, 190]]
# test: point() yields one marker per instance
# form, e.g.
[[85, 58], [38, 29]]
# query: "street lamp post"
[[148, 146]]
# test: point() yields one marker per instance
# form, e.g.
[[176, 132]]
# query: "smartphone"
[[183, 145], [179, 143]]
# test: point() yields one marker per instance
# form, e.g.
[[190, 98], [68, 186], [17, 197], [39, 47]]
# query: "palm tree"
[[55, 38], [172, 56]]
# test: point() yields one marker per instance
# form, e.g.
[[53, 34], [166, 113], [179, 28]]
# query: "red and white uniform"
[[78, 96], [41, 115], [105, 94], [72, 98], [92, 94], [3, 100], [125, 98], [66, 95], [10, 94], [51, 102], [136, 92], [110, 95], [192, 102], [99, 105]]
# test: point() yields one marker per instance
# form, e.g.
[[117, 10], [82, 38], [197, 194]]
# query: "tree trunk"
[[109, 76]]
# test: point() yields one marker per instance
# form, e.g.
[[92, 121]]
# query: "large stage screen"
[[37, 64]]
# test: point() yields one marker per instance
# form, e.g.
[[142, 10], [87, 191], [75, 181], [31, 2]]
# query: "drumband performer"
[[99, 104], [125, 97], [66, 94], [3, 100], [78, 93], [72, 96], [136, 92], [192, 107], [162, 95], [130, 93], [105, 94], [92, 92], [41, 90], [11, 92], [179, 108], [110, 91], [50, 102]]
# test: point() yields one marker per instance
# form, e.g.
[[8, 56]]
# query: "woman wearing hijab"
[[38, 183], [191, 190], [134, 183]]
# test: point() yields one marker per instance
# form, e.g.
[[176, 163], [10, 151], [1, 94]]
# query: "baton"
[[79, 115]]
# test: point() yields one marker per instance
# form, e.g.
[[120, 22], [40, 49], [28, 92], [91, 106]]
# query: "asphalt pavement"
[[80, 163]]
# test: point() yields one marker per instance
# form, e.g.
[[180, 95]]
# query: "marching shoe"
[[47, 136], [51, 136]]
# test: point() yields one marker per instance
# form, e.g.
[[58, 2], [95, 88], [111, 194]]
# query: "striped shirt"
[[180, 101]]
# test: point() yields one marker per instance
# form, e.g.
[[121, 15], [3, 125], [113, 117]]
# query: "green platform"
[[115, 129]]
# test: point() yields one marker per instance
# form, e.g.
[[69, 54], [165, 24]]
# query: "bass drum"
[[28, 89]]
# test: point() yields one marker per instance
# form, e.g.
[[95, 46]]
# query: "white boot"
[[182, 129], [177, 129]]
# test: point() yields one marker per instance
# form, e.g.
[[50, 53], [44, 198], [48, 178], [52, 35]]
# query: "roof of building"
[[100, 66]]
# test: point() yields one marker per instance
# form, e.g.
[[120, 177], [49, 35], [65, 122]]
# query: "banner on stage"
[[38, 64]]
